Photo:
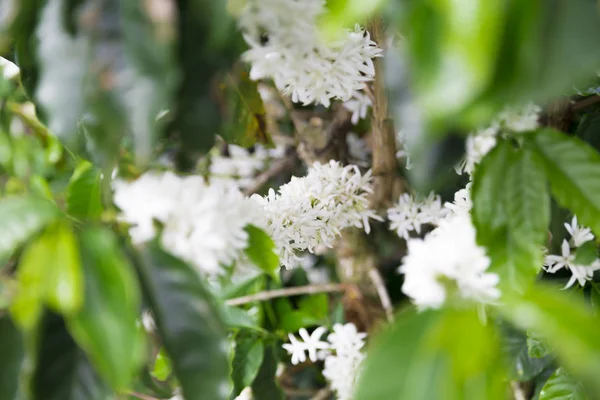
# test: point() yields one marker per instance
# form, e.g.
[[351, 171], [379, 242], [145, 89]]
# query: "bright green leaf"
[[106, 327], [247, 359], [573, 168], [560, 386], [162, 366], [443, 354], [511, 211], [84, 197], [21, 217], [261, 251], [188, 322]]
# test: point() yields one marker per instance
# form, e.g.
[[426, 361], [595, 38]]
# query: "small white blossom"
[[313, 210], [448, 257], [462, 202], [580, 273], [408, 215], [579, 234], [311, 344], [9, 69], [403, 152], [478, 145], [522, 119], [359, 105], [203, 224]]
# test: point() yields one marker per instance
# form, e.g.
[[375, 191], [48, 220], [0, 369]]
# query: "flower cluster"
[[359, 105], [580, 273], [409, 215], [342, 353], [286, 46], [449, 261], [203, 224], [313, 210]]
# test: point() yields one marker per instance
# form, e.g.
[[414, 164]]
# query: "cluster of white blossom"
[[286, 46], [313, 210], [342, 353], [242, 165], [203, 224], [409, 215], [481, 142], [448, 261], [580, 273], [359, 105]]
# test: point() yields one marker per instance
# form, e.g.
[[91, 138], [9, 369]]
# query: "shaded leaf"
[[106, 327], [84, 197], [560, 386], [11, 348], [265, 385], [523, 366], [188, 322], [247, 359]]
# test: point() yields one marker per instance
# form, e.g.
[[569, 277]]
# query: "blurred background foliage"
[[108, 83]]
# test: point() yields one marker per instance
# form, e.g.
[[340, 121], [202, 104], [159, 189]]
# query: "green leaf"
[[586, 254], [345, 13], [84, 198], [11, 348], [573, 168], [443, 354], [20, 218], [106, 327], [561, 386], [523, 366], [265, 384], [162, 366], [188, 322], [247, 360], [62, 371], [261, 251], [566, 323], [536, 347], [511, 211]]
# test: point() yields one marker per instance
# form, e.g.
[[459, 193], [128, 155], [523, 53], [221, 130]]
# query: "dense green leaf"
[[11, 348], [21, 217], [188, 322], [560, 386], [573, 168], [511, 211], [566, 323], [62, 371], [423, 356], [536, 347], [106, 327], [247, 359], [523, 366], [261, 251], [84, 197], [265, 385]]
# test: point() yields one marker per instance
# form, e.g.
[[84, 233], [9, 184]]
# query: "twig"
[[292, 291], [384, 297], [142, 396], [581, 104], [517, 391], [322, 394], [264, 177]]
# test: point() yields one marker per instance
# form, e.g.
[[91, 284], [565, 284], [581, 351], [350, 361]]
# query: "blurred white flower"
[[203, 224], [462, 202], [246, 394], [579, 234], [313, 210], [358, 151], [9, 69], [408, 214], [448, 258], [478, 145], [403, 152], [580, 273], [359, 106], [310, 344], [521, 119], [286, 46]]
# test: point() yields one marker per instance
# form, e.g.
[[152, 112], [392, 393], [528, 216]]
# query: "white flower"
[[359, 106], [579, 234], [246, 394], [462, 202], [286, 46], [478, 145], [9, 69], [403, 152], [408, 215], [448, 257], [580, 273], [313, 210], [203, 224], [311, 344], [522, 119], [357, 150]]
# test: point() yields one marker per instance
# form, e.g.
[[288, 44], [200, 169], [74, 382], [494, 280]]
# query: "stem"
[[277, 167], [292, 291], [384, 297]]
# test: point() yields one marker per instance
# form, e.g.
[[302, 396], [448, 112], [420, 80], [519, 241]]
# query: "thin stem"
[[292, 291], [517, 390], [264, 177], [384, 297]]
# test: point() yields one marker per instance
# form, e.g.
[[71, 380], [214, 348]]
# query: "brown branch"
[[588, 101], [384, 297], [264, 177], [292, 291], [322, 394]]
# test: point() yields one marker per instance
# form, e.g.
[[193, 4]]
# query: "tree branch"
[[264, 177], [292, 291], [384, 297]]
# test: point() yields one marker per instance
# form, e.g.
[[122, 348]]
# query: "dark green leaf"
[[424, 356], [188, 323], [523, 367], [563, 321], [561, 386], [62, 371], [106, 325], [261, 251], [536, 347], [84, 198], [511, 211], [11, 348], [247, 359], [21, 217], [586, 253], [265, 384], [573, 168]]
